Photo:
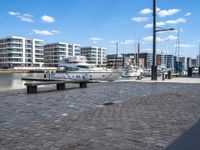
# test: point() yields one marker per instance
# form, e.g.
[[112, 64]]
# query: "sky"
[[105, 22]]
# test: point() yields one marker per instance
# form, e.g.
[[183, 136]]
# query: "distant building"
[[158, 59], [189, 62], [183, 62], [94, 55], [148, 59], [167, 60], [21, 52], [116, 61], [194, 63], [145, 60], [55, 51], [198, 60]]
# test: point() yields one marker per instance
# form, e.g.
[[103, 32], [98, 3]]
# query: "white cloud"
[[158, 24], [96, 39], [150, 39], [187, 46], [45, 32], [158, 9], [146, 11], [140, 19], [22, 17], [12, 13], [148, 26], [158, 39], [188, 14], [126, 42], [55, 31], [47, 19], [177, 21], [27, 15], [169, 12], [172, 37]]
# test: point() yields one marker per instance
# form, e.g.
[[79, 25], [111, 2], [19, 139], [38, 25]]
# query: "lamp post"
[[154, 66]]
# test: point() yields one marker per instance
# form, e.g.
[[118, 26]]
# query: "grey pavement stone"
[[144, 116]]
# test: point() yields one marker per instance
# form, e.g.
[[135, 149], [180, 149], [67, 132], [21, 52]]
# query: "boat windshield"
[[86, 66], [68, 69], [83, 67]]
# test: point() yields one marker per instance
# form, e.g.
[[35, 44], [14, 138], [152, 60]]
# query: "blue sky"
[[103, 22]]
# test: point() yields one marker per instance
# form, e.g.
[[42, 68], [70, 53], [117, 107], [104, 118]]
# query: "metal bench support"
[[83, 85], [31, 89], [60, 86]]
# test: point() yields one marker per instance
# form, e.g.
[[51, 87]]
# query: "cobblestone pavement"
[[144, 116]]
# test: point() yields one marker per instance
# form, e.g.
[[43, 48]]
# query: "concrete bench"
[[60, 85]]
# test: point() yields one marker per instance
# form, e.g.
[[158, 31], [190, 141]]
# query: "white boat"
[[77, 68], [132, 71], [195, 70], [160, 70]]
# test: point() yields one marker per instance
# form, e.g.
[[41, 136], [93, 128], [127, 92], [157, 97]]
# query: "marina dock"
[[38, 79], [141, 115]]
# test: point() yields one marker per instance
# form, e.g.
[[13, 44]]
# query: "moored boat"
[[132, 71], [76, 67]]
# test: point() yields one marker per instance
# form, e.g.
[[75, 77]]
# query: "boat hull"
[[107, 76]]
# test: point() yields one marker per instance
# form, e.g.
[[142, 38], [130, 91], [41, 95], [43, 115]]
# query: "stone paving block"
[[143, 116]]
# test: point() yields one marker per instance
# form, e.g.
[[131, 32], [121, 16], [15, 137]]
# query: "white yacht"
[[76, 67], [132, 71], [195, 70], [160, 70]]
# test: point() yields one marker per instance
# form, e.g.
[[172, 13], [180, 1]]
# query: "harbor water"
[[9, 81]]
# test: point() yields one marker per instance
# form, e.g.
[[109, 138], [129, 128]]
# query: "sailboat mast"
[[116, 55], [123, 54], [178, 44], [138, 54]]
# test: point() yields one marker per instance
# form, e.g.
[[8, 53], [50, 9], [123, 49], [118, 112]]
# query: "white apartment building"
[[21, 52], [94, 55], [55, 51]]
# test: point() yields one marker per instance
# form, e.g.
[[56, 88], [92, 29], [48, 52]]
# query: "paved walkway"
[[144, 116]]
